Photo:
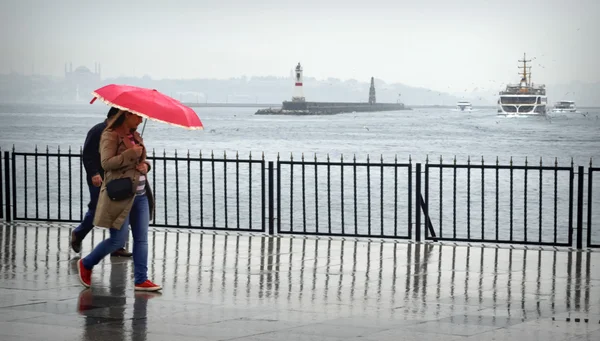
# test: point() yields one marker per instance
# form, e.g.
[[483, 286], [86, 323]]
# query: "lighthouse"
[[298, 92]]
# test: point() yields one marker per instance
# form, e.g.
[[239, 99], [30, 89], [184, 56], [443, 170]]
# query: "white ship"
[[524, 98], [564, 106], [464, 106]]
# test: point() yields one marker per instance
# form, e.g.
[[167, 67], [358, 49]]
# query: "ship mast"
[[525, 78]]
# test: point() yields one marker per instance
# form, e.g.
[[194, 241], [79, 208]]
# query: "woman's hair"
[[117, 120]]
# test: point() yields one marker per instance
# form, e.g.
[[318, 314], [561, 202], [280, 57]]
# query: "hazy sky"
[[441, 44]]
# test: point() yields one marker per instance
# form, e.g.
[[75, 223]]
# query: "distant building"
[[81, 81]]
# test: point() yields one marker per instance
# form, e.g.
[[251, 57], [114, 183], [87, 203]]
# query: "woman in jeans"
[[123, 155]]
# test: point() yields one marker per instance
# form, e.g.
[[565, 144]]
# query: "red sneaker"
[[85, 275], [147, 286]]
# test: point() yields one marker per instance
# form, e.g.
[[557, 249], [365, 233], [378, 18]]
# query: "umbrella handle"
[[144, 127]]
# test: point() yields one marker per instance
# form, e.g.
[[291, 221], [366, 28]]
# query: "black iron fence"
[[527, 204], [359, 199], [593, 236]]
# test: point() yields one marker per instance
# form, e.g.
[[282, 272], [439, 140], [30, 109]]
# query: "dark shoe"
[[75, 243], [121, 253]]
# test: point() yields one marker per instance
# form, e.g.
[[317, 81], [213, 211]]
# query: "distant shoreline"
[[263, 105]]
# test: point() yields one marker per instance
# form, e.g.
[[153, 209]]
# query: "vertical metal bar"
[[250, 190], [37, 200], [80, 182], [237, 189], [59, 185], [303, 195], [418, 203], [214, 190], [497, 199], [263, 192], [381, 195], [396, 196], [271, 199], [368, 195], [410, 227], [555, 200], [47, 183], [2, 186], [469, 198], [189, 189], [511, 199], [589, 210], [580, 207], [154, 182], [25, 185], [225, 188], [177, 187], [540, 205], [7, 197], [453, 200], [291, 193], [525, 203], [14, 184], [571, 179], [328, 194], [355, 203], [441, 222], [342, 193], [165, 184], [201, 178], [279, 195], [70, 186], [316, 196], [482, 200]]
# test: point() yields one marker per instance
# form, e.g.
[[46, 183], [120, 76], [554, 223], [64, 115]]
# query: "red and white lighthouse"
[[298, 91]]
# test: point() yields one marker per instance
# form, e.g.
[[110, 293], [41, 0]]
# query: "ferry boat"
[[564, 106], [464, 106], [524, 98]]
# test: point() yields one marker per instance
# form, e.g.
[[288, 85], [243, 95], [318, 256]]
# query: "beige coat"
[[119, 161]]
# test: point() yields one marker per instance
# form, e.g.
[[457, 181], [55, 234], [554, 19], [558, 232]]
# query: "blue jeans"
[[139, 219], [87, 224]]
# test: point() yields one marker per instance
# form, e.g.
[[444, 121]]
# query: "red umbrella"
[[149, 104]]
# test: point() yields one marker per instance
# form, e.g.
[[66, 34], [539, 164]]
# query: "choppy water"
[[420, 133]]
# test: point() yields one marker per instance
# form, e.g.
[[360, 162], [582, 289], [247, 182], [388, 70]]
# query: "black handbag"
[[119, 189]]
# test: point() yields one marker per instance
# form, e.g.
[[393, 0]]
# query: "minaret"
[[372, 99], [298, 92]]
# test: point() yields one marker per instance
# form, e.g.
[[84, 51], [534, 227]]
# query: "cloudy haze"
[[438, 44]]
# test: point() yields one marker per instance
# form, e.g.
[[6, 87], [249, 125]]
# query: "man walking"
[[94, 176]]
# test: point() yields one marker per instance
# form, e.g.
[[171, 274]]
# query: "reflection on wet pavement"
[[240, 287]]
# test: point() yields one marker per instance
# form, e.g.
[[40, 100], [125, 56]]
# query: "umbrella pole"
[[144, 127]]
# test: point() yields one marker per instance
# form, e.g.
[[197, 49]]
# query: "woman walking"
[[125, 199]]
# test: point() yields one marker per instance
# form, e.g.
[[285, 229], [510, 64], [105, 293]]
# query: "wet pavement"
[[241, 287]]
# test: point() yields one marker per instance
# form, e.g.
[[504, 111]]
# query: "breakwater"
[[329, 108]]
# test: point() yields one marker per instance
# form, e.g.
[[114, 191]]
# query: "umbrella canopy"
[[148, 103]]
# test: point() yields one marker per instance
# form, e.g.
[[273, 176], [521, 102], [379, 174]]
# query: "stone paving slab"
[[243, 287]]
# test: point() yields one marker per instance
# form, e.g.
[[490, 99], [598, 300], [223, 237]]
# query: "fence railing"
[[495, 203], [352, 197], [473, 202]]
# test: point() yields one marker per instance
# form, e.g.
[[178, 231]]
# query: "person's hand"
[[143, 168], [138, 150], [97, 180]]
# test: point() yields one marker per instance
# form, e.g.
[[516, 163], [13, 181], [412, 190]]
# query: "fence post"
[[580, 207], [1, 188], [7, 214], [271, 199], [418, 203]]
